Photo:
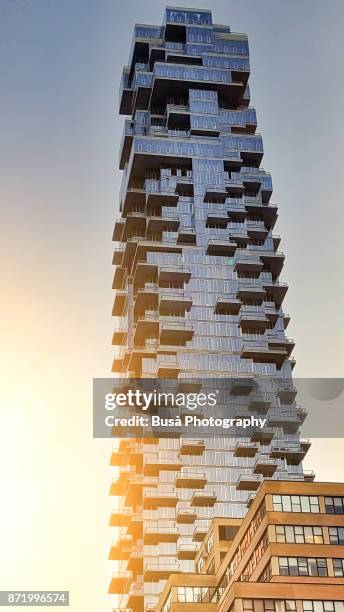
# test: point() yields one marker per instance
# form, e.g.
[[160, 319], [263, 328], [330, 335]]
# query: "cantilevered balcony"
[[120, 550], [192, 447], [156, 498], [117, 487], [203, 498], [126, 93], [252, 319], [245, 262], [118, 230], [137, 353], [293, 453], [117, 458], [309, 475], [129, 129], [135, 561], [172, 332], [290, 421], [186, 235], [178, 302], [133, 491], [120, 582], [187, 551], [225, 248], [178, 116], [265, 466], [156, 463], [155, 570], [186, 515], [273, 262], [271, 312], [276, 290], [260, 352], [130, 249], [286, 391], [147, 326], [260, 402], [267, 212], [248, 482], [119, 278], [242, 385], [135, 524], [119, 337], [215, 194], [256, 229], [158, 194], [167, 366], [240, 237], [226, 304], [200, 531], [190, 479], [133, 197], [245, 449], [217, 218], [264, 436], [236, 210], [154, 534], [184, 185], [286, 344], [250, 291], [160, 223], [174, 273], [134, 597], [120, 518], [134, 224], [145, 297], [234, 187], [118, 253]]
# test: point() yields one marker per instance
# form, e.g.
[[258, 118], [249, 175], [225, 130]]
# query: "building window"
[[338, 567], [302, 566], [336, 535], [270, 605], [255, 558], [295, 503], [195, 594], [210, 542], [299, 534], [322, 606], [334, 505], [168, 603], [266, 574]]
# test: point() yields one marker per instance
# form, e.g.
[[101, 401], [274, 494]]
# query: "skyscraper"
[[197, 292]]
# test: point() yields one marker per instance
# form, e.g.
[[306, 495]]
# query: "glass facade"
[[196, 227]]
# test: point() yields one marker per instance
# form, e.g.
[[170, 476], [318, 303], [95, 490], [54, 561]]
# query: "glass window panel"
[[289, 535], [305, 505]]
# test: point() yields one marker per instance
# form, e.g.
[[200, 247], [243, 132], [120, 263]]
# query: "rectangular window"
[[299, 534], [303, 566], [338, 567], [336, 535], [334, 505], [322, 606], [295, 503]]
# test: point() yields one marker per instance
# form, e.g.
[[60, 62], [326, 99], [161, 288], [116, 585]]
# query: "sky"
[[60, 67]]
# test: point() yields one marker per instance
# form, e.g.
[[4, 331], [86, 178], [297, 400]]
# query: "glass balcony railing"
[[147, 31], [191, 73]]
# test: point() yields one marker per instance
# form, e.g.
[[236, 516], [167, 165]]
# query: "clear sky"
[[60, 66]]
